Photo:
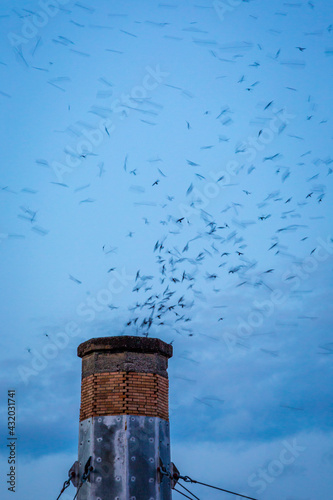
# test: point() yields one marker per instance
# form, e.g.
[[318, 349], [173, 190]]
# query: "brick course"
[[124, 393]]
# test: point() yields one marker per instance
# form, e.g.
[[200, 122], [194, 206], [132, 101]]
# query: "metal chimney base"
[[126, 451]]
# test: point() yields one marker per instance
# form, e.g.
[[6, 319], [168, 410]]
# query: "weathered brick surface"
[[108, 361], [124, 393]]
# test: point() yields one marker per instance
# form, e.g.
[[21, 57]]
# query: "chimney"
[[124, 419]]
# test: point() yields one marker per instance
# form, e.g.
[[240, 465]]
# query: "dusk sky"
[[177, 150]]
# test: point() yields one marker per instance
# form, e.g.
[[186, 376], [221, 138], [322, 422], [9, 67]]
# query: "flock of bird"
[[196, 252]]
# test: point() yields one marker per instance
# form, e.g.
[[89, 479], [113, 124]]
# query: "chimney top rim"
[[125, 343]]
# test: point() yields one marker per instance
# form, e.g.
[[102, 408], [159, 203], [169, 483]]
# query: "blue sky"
[[205, 127]]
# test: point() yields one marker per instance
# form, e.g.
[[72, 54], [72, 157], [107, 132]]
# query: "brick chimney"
[[124, 420]]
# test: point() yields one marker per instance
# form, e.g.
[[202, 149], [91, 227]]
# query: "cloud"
[[41, 477], [235, 466]]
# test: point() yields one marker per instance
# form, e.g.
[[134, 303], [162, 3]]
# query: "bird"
[[78, 282]]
